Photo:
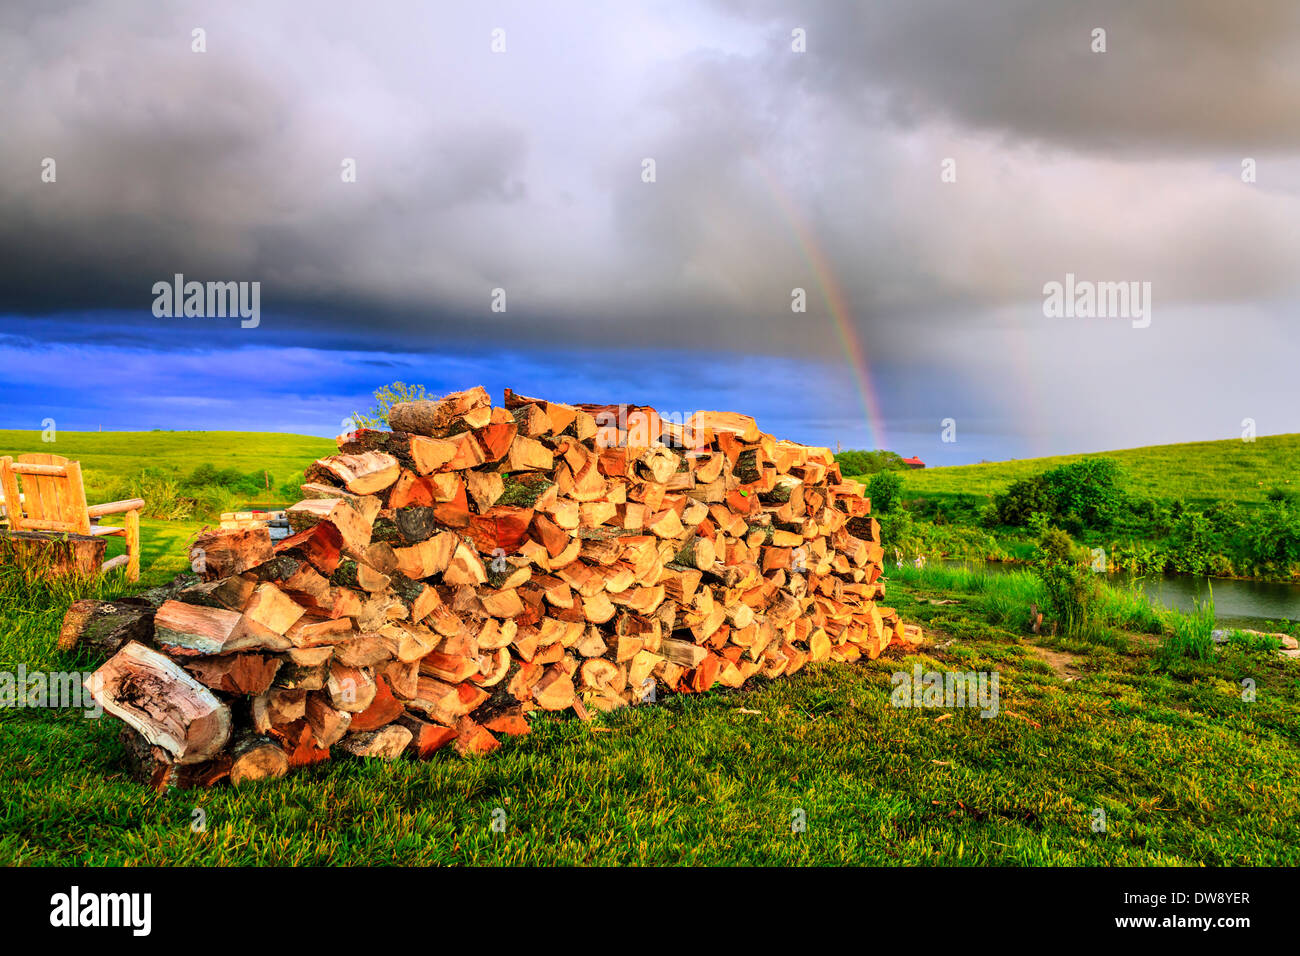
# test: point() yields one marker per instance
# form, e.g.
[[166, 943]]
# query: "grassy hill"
[[110, 458], [1200, 473]]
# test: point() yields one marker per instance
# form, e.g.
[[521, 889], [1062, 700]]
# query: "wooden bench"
[[51, 498]]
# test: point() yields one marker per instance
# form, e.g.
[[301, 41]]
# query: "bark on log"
[[101, 628]]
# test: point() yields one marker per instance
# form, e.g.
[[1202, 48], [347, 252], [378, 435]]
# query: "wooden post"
[[133, 545], [13, 503], [73, 499]]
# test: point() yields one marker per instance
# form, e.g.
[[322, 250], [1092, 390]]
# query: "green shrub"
[[211, 501], [1254, 642], [1082, 495], [251, 485], [1273, 535], [859, 462], [885, 489], [1279, 495], [1071, 585], [162, 494], [1089, 489], [1193, 544], [385, 399], [1022, 499]]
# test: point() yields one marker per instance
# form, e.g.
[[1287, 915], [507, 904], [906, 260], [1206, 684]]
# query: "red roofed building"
[[913, 463]]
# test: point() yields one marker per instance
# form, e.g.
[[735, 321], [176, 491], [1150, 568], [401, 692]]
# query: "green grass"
[[1200, 473], [1186, 771], [110, 458], [1200, 508]]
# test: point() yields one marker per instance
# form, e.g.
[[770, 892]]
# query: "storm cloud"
[[775, 169]]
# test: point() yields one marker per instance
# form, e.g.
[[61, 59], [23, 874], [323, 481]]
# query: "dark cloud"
[[1176, 75], [775, 170]]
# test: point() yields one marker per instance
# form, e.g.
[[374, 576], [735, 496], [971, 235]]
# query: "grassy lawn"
[[1184, 769], [1200, 473], [109, 458]]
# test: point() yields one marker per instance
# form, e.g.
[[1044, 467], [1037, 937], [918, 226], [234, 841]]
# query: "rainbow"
[[837, 304]]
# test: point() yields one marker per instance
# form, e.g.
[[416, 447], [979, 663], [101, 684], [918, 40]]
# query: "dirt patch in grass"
[[1063, 663]]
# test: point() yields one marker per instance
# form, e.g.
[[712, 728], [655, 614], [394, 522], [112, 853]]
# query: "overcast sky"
[[775, 169]]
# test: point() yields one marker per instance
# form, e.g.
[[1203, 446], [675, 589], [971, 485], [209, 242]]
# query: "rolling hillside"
[[108, 458], [1198, 472]]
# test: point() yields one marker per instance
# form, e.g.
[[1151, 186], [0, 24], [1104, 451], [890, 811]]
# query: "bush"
[[211, 501], [858, 462], [162, 495], [1273, 536], [385, 399], [1282, 496], [1067, 576], [1193, 545], [885, 489], [1089, 489], [251, 485], [1083, 495], [1022, 499]]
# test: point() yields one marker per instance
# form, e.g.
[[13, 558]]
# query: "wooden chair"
[[52, 498]]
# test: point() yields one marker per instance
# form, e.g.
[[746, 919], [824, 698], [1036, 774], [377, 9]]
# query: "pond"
[[1244, 603]]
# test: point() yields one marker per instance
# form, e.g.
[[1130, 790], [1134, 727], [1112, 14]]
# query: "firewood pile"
[[445, 580]]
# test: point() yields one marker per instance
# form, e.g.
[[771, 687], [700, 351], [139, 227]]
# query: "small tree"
[[1068, 579], [1089, 491], [859, 462], [385, 399], [885, 490]]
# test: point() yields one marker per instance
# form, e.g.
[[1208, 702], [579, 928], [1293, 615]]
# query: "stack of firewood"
[[446, 579]]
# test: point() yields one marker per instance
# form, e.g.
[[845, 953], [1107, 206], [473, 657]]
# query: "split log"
[[168, 706], [221, 554], [527, 454], [300, 744], [426, 736], [686, 653], [555, 690], [384, 709], [327, 723], [445, 703], [351, 689], [353, 527], [153, 766], [364, 474], [246, 674], [277, 708], [320, 546], [472, 738], [189, 629]]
